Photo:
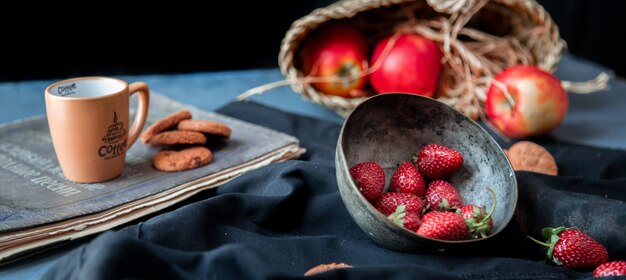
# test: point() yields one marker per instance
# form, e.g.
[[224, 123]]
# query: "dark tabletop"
[[595, 125]]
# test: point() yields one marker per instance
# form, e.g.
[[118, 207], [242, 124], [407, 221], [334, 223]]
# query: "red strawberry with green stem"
[[479, 222], [437, 161], [389, 202], [572, 248], [407, 179], [443, 226], [408, 219], [369, 177], [614, 268], [443, 196]]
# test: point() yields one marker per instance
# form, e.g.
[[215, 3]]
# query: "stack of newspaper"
[[40, 207]]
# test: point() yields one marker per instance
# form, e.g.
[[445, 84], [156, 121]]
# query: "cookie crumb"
[[325, 267]]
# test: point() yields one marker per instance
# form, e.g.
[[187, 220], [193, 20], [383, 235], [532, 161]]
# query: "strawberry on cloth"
[[572, 248], [614, 268]]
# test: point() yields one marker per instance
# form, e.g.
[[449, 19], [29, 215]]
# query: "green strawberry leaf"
[[552, 236], [539, 242], [443, 205], [398, 216], [477, 211], [547, 232]]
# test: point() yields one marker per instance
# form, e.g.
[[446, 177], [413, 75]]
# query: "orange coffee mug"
[[89, 124]]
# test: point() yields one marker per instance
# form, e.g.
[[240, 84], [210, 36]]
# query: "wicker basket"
[[478, 38]]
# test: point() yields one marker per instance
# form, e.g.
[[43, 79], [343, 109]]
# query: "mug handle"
[[142, 110]]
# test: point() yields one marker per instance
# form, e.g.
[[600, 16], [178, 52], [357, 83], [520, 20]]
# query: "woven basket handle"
[[600, 83], [451, 6]]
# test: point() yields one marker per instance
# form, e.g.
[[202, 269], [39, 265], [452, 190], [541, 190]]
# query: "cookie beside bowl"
[[389, 129]]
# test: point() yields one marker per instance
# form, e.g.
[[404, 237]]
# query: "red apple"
[[539, 102], [412, 65], [337, 50]]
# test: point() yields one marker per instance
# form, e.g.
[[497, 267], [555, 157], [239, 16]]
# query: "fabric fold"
[[278, 221]]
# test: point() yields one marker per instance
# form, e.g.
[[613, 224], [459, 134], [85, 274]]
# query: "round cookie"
[[164, 124], [208, 127], [325, 267], [179, 160], [175, 137], [528, 156]]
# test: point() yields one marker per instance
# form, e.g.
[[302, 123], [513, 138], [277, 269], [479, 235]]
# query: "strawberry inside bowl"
[[397, 131]]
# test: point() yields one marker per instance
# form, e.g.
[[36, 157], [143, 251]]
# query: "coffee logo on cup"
[[114, 140], [65, 90]]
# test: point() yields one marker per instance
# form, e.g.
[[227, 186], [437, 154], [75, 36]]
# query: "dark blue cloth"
[[281, 220]]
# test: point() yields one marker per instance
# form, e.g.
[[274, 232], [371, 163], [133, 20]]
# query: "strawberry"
[[479, 222], [408, 219], [369, 177], [442, 196], [572, 248], [407, 179], [389, 202], [614, 268], [443, 226], [437, 161]]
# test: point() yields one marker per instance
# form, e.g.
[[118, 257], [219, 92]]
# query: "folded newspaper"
[[40, 207]]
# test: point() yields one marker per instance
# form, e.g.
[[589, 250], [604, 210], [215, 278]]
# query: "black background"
[[177, 37]]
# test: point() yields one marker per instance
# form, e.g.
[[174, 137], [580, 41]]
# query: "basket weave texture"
[[479, 38]]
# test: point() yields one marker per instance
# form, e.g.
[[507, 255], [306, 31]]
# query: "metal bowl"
[[389, 129]]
